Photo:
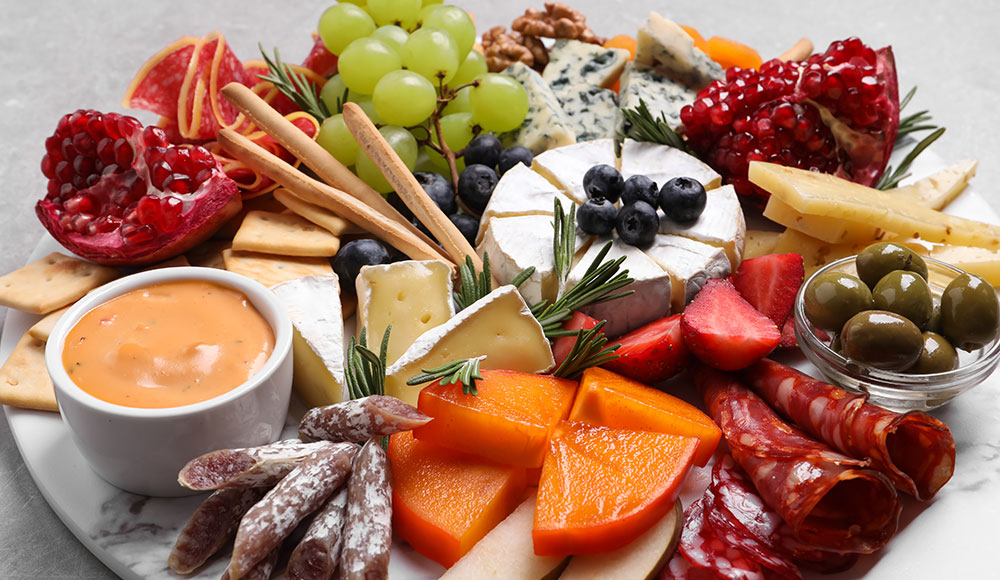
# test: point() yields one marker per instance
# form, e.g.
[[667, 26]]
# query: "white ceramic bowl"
[[142, 450]]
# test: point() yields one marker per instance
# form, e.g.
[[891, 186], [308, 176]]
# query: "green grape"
[[365, 61], [392, 35], [431, 2], [404, 98], [403, 143], [342, 24], [335, 137], [499, 102], [332, 93], [367, 105], [403, 13], [431, 52], [460, 104], [355, 2], [457, 131], [471, 68], [455, 22]]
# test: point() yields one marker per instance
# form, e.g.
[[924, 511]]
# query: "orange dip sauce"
[[168, 345]]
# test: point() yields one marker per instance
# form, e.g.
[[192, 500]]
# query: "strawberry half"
[[564, 344], [725, 331], [769, 283], [652, 353]]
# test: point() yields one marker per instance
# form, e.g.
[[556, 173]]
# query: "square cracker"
[[51, 283], [270, 270], [318, 215], [285, 235], [43, 328], [24, 380]]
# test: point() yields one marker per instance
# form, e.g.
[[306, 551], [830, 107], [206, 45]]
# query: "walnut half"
[[556, 21], [503, 48]]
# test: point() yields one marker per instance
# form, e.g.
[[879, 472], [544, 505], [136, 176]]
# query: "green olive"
[[877, 260], [937, 356], [833, 297], [881, 339], [934, 323], [970, 312], [906, 294]]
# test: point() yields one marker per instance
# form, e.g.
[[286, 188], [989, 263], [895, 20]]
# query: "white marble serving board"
[[953, 537]]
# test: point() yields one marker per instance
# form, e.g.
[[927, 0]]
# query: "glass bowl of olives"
[[911, 332]]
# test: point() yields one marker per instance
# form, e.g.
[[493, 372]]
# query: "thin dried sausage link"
[[359, 420], [317, 555], [211, 526], [246, 467], [368, 524]]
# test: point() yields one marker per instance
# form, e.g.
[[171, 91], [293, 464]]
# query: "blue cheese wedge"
[[518, 242], [573, 63], [593, 112], [546, 125], [664, 46], [566, 166], [690, 264], [721, 224], [521, 191], [663, 96], [661, 163]]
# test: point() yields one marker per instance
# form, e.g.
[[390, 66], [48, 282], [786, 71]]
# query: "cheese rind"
[[499, 326], [546, 125], [573, 62], [566, 166], [663, 96], [313, 304], [412, 296], [665, 47], [690, 264], [661, 163], [521, 191], [721, 224]]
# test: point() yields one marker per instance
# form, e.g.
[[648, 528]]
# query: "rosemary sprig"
[[475, 285], [891, 178], [918, 121], [563, 239], [364, 371], [589, 350], [464, 372], [645, 127], [294, 85]]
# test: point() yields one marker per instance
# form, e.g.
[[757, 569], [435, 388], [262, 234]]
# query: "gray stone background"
[[56, 57]]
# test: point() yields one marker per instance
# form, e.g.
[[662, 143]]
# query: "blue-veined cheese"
[[545, 125], [662, 96], [665, 47], [573, 63], [593, 112]]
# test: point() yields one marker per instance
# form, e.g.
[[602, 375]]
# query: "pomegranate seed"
[[178, 183], [110, 121], [170, 216], [160, 171], [48, 167], [148, 210], [131, 216], [784, 116], [52, 189], [123, 152], [109, 169], [833, 86], [80, 182], [80, 222], [202, 176], [66, 191], [153, 136], [106, 150], [64, 171], [83, 165], [138, 235], [84, 144], [127, 126], [65, 221], [202, 157], [62, 126]]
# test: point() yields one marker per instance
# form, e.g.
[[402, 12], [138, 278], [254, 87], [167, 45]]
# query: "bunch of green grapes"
[[408, 63]]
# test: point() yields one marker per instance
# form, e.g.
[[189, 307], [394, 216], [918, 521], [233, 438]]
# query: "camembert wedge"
[[690, 264], [521, 191], [721, 224], [566, 166]]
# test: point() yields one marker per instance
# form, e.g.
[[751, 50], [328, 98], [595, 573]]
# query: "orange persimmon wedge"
[[444, 502], [729, 53], [508, 421], [602, 488], [609, 399], [699, 40]]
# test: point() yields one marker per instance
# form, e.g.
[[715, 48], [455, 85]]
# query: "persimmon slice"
[[601, 488], [609, 399]]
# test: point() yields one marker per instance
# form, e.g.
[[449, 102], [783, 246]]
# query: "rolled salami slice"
[[914, 449], [703, 548], [301, 492], [211, 526], [359, 420], [316, 556], [831, 501], [364, 554], [247, 467]]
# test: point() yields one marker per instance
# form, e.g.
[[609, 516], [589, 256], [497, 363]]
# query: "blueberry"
[[485, 150], [439, 189], [640, 187], [397, 202], [467, 224], [683, 199], [637, 224], [475, 186], [603, 181], [355, 254], [514, 155], [597, 216]]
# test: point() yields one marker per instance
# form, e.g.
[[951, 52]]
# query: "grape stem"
[[442, 149]]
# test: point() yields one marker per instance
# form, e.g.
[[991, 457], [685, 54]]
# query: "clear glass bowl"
[[894, 390]]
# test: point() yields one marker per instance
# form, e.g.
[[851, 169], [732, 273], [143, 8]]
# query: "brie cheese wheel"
[[721, 224], [665, 47], [519, 242], [313, 304], [521, 191], [498, 325], [575, 63], [652, 286], [690, 263], [545, 125], [566, 166], [412, 296], [661, 163]]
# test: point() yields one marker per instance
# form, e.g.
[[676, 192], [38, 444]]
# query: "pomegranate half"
[[121, 194]]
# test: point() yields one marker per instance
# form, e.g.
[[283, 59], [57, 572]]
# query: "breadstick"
[[312, 154], [413, 195], [361, 419], [798, 52], [323, 195]]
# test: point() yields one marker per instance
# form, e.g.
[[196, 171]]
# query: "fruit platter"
[[413, 289]]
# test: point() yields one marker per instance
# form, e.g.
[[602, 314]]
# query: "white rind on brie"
[[661, 163], [721, 224], [521, 191], [566, 166], [691, 263]]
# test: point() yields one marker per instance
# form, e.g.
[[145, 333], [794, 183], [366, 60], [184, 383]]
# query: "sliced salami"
[[304, 490], [831, 501], [702, 547], [320, 60], [364, 554], [316, 556], [247, 467], [678, 568], [211, 526], [914, 449], [361, 419]]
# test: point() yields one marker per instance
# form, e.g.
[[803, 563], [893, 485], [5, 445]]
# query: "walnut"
[[556, 21], [503, 48], [538, 51]]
